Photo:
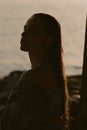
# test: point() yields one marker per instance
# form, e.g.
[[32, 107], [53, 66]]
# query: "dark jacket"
[[31, 107]]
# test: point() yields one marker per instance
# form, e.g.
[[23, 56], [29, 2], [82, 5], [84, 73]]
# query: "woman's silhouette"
[[40, 98]]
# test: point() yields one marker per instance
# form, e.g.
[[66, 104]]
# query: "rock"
[[6, 84]]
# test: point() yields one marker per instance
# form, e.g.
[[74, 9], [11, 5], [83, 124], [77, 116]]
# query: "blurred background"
[[13, 15]]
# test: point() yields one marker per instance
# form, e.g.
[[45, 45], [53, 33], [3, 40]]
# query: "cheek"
[[40, 43], [37, 42], [43, 42]]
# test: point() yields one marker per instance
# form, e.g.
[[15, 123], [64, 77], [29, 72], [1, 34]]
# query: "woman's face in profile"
[[34, 37]]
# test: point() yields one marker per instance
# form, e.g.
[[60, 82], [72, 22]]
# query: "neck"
[[35, 65], [35, 62], [41, 62]]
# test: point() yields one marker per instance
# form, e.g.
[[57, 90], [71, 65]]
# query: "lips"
[[22, 41], [24, 44]]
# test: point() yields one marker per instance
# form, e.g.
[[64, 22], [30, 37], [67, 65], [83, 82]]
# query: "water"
[[13, 16]]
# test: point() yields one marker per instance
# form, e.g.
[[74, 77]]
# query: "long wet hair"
[[55, 55]]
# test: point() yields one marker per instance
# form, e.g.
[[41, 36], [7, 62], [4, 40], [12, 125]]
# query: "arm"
[[11, 118]]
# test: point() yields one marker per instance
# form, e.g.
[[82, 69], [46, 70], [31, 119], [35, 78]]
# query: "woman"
[[40, 98]]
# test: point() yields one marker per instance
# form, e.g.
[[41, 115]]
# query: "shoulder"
[[31, 75], [26, 75], [41, 77]]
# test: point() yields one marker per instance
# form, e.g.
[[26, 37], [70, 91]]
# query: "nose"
[[22, 34]]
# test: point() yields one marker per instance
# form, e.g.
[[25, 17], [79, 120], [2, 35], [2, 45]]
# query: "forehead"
[[33, 22]]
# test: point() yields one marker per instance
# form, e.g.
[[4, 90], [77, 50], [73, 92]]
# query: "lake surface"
[[13, 15]]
